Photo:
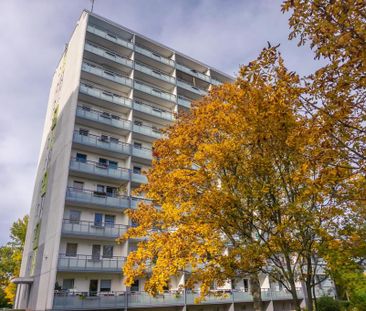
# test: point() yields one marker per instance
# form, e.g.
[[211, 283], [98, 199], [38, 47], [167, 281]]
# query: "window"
[[85, 108], [68, 284], [78, 185], [135, 287], [96, 252], [113, 164], [137, 145], [74, 216], [109, 220], [71, 249], [111, 191], [107, 251], [104, 138], [105, 285], [114, 140], [137, 122], [115, 117], [98, 219], [137, 170], [134, 224], [156, 110], [100, 188], [155, 129], [105, 115], [103, 162], [80, 157], [246, 285], [83, 132]]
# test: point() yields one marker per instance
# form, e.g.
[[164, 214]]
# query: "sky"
[[222, 33]]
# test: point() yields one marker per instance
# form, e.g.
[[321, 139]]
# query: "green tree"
[[11, 257]]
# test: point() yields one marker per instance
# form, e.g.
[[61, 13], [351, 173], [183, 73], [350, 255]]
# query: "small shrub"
[[328, 304]]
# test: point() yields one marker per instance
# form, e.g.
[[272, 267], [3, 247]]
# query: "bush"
[[328, 304]]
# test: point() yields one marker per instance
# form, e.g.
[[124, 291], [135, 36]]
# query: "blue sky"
[[221, 33]]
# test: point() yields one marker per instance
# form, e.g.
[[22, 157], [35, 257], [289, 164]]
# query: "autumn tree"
[[11, 257]]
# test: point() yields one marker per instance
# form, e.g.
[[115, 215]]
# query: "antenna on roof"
[[92, 6]]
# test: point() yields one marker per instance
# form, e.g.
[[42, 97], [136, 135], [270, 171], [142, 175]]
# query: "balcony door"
[[96, 252], [93, 287]]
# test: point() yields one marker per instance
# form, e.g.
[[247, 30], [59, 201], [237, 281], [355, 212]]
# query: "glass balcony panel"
[[147, 89], [100, 117], [148, 131], [193, 72], [212, 298], [104, 95], [108, 54], [154, 55], [136, 299], [88, 263], [240, 296], [135, 201], [215, 82], [191, 88], [154, 73], [153, 111], [184, 102], [109, 36], [142, 153], [83, 227], [98, 142], [139, 178], [109, 75], [93, 197]]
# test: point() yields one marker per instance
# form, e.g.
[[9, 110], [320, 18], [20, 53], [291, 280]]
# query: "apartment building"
[[111, 94]]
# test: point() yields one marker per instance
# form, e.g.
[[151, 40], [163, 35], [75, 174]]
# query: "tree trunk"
[[295, 298], [255, 290], [310, 302]]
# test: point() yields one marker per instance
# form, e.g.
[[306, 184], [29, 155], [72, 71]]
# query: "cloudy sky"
[[222, 33]]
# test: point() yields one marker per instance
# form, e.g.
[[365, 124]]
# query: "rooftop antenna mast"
[[92, 5]]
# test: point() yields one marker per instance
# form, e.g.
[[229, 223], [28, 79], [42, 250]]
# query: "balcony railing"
[[215, 82], [104, 95], [100, 169], [106, 74], [184, 101], [101, 143], [153, 91], [140, 106], [102, 117], [113, 300], [90, 263], [193, 72], [142, 153], [191, 88], [90, 228], [109, 36], [139, 178], [91, 197], [108, 54], [155, 56], [148, 131], [154, 73]]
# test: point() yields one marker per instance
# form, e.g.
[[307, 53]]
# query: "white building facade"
[[112, 92]]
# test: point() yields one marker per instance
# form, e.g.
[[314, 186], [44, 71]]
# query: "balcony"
[[148, 131], [103, 96], [90, 263], [215, 82], [110, 39], [192, 89], [64, 300], [193, 72], [96, 169], [89, 142], [153, 93], [152, 111], [184, 102], [138, 178], [105, 121], [105, 76], [154, 74], [91, 229], [91, 198], [136, 200], [154, 56], [109, 57], [142, 153]]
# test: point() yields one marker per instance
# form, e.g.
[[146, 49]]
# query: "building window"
[[96, 252], [114, 140], [74, 216], [135, 287], [112, 164], [103, 162], [83, 132], [137, 170], [100, 188], [98, 219], [78, 185], [105, 285], [137, 122], [68, 284], [107, 251], [137, 145], [80, 157], [114, 117], [71, 249], [104, 138], [109, 220], [85, 108], [111, 191]]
